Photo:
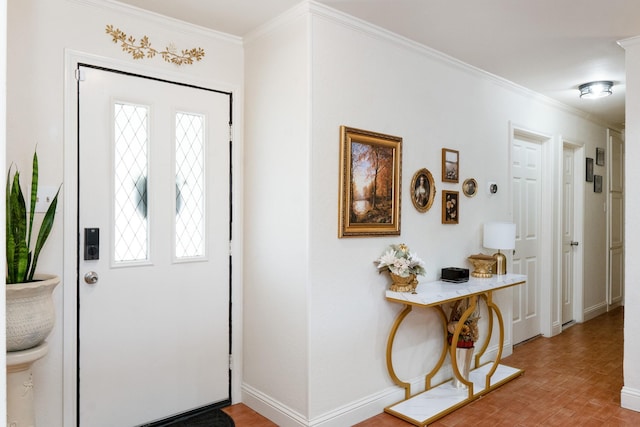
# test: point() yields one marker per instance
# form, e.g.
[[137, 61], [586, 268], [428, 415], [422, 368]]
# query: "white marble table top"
[[439, 292]]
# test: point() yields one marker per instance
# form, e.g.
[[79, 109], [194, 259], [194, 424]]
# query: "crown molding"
[[628, 42], [319, 10], [297, 11], [175, 24]]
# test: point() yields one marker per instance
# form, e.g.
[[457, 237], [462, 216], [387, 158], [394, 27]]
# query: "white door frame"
[[579, 171], [549, 320], [70, 222]]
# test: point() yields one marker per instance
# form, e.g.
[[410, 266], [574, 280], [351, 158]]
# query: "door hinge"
[[231, 362], [80, 75], [230, 132]]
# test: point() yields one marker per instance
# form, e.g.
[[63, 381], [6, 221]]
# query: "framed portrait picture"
[[370, 178], [470, 187], [450, 207], [597, 183], [423, 190], [600, 156], [450, 165], [589, 169]]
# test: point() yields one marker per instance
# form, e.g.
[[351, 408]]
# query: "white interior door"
[[526, 173], [615, 235], [154, 179], [568, 243]]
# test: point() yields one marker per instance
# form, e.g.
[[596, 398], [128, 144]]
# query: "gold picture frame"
[[470, 187], [450, 207], [450, 165], [423, 190], [370, 181]]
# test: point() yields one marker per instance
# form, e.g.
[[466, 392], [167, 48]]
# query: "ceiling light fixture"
[[595, 90]]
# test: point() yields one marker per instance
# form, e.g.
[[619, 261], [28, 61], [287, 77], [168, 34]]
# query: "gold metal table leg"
[[392, 337], [445, 348], [473, 301]]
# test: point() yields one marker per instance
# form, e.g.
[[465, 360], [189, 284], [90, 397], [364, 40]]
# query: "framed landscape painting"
[[370, 176]]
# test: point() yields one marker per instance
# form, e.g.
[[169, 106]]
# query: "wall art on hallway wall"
[[370, 177]]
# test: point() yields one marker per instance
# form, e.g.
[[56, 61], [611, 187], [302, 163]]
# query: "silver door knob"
[[91, 277]]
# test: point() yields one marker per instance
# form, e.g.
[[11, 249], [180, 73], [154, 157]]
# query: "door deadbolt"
[[91, 244], [91, 277], [574, 243]]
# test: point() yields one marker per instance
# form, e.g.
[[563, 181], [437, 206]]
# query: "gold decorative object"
[[403, 267], [482, 265], [403, 284], [143, 49]]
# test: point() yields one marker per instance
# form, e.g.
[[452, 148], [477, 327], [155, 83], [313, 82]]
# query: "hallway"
[[573, 379]]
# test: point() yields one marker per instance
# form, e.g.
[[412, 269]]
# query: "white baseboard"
[[594, 311], [351, 413], [556, 328], [275, 411], [630, 398], [363, 409]]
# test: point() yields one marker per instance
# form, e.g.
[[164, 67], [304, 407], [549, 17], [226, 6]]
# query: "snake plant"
[[21, 258]]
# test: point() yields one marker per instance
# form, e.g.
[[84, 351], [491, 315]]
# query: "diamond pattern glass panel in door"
[[131, 223], [190, 191]]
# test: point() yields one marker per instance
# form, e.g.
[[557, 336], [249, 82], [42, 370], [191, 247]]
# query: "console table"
[[441, 399]]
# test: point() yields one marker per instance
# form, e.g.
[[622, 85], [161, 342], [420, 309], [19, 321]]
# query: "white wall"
[[39, 33], [631, 391], [277, 219]]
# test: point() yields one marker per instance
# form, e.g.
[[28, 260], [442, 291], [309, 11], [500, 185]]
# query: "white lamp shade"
[[499, 235]]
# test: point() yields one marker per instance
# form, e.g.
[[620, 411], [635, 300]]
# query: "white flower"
[[398, 260], [387, 259]]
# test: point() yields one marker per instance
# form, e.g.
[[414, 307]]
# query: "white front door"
[[154, 184], [526, 173], [568, 243]]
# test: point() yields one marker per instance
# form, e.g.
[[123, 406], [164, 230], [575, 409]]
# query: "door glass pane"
[[131, 238], [190, 212]]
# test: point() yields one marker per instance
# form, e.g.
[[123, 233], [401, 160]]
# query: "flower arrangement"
[[398, 260], [469, 332]]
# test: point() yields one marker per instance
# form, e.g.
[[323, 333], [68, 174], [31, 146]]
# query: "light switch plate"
[[44, 198]]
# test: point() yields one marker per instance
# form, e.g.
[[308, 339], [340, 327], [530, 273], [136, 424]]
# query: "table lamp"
[[501, 236]]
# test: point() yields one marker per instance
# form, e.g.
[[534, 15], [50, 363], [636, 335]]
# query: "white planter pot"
[[30, 312]]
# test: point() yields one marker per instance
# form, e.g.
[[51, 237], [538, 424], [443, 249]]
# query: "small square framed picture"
[[589, 169], [597, 183], [600, 156]]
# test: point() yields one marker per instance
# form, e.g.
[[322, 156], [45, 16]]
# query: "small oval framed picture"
[[470, 187], [423, 190]]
